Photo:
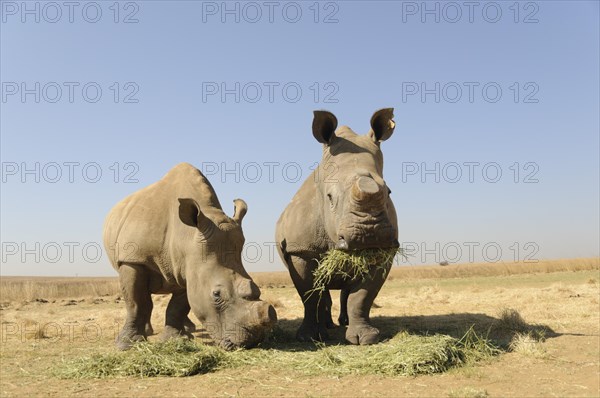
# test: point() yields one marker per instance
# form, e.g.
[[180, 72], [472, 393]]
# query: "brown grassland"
[[47, 322]]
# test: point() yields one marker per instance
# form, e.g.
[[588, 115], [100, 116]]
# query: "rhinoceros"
[[173, 237], [344, 204]]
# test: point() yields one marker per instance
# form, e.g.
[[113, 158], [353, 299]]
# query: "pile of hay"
[[351, 265], [403, 355], [407, 355], [175, 357]]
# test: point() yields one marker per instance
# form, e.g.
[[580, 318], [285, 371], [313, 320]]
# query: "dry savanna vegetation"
[[467, 330], [31, 288]]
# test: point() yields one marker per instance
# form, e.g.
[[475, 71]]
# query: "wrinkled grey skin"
[[173, 237], [343, 204]]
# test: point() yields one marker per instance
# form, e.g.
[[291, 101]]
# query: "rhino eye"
[[216, 295]]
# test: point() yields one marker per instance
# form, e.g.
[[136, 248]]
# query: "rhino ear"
[[239, 210], [324, 125], [382, 124], [190, 214]]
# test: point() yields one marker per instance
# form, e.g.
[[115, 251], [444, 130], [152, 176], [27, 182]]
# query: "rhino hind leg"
[[138, 301], [328, 303], [177, 317], [343, 318], [360, 299]]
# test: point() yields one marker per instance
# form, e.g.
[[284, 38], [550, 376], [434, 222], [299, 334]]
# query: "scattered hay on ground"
[[175, 357], [403, 355]]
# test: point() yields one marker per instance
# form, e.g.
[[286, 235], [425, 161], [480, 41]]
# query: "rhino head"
[[352, 194], [220, 292]]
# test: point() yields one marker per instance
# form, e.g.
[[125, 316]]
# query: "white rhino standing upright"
[[343, 204]]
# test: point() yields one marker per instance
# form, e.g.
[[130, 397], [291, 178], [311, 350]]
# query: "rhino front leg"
[[360, 300], [313, 327], [176, 319], [138, 301]]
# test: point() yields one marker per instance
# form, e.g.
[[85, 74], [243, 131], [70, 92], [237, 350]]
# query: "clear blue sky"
[[370, 55]]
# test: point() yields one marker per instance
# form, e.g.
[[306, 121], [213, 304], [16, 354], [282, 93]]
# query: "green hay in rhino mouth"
[[403, 355], [351, 265]]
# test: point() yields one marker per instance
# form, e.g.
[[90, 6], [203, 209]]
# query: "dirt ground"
[[37, 336]]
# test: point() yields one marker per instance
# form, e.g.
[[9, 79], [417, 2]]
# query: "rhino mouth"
[[342, 244], [358, 237], [365, 230], [245, 338]]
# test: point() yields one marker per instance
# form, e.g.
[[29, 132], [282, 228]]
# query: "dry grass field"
[[543, 316]]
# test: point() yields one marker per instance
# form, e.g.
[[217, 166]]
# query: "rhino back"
[[144, 228]]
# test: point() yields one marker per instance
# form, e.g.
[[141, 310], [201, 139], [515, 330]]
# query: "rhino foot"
[[363, 335], [126, 339], [308, 333], [173, 333]]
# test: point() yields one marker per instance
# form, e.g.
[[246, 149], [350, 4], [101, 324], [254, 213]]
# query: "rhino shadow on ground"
[[500, 331]]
